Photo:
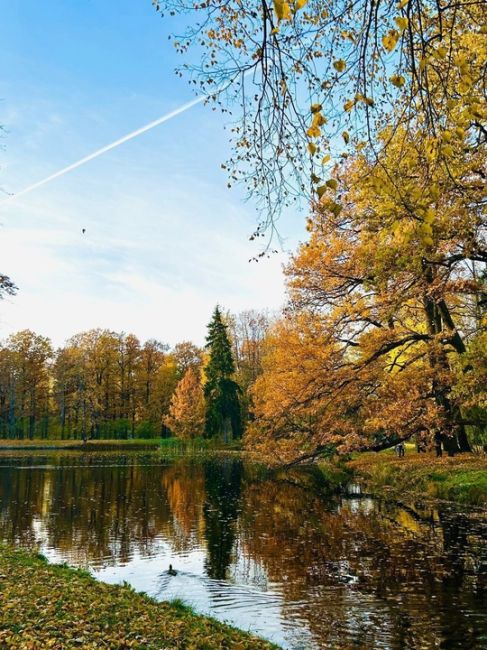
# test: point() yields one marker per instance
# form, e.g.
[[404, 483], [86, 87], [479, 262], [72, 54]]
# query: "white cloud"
[[155, 272], [165, 240]]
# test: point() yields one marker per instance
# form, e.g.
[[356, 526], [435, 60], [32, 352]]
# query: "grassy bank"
[[462, 478], [53, 606], [165, 445], [43, 443]]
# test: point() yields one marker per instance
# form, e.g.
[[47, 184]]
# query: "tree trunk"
[[463, 442], [32, 415], [12, 423], [227, 429], [438, 320]]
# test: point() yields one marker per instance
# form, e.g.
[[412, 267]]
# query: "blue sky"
[[165, 239]]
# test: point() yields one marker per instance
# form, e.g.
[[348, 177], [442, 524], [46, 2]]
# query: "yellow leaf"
[[332, 183], [339, 65], [300, 4], [316, 108], [442, 51], [282, 9], [348, 105], [397, 80], [426, 230], [313, 132], [346, 137], [325, 159], [401, 22], [335, 209], [321, 190], [312, 148], [389, 41], [429, 216], [318, 119], [347, 35]]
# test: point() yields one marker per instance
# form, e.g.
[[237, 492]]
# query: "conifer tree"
[[186, 417], [221, 391]]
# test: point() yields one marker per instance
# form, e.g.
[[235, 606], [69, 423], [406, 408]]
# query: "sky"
[[165, 240]]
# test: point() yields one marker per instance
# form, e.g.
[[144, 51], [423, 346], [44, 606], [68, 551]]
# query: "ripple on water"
[[306, 570]]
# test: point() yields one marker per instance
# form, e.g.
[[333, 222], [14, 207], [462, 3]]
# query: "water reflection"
[[223, 480], [275, 555]]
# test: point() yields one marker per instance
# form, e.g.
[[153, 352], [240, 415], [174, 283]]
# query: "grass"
[[46, 443], [462, 478], [335, 475], [54, 606], [164, 445]]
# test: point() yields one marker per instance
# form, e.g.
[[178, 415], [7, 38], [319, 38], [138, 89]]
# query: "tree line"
[[104, 384]]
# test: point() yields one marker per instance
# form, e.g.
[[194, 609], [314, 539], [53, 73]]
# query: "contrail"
[[108, 147]]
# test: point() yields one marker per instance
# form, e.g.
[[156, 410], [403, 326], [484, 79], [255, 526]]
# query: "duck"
[[171, 571], [347, 578]]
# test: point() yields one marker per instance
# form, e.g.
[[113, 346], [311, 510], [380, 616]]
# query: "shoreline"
[[56, 606], [461, 480], [90, 445], [149, 444]]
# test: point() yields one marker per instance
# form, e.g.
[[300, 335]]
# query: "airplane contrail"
[[106, 148]]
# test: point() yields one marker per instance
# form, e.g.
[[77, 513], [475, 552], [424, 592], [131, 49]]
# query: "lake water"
[[277, 555]]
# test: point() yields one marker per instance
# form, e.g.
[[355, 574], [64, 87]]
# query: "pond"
[[275, 554]]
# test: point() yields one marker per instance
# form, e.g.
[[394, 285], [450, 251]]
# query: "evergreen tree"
[[221, 391]]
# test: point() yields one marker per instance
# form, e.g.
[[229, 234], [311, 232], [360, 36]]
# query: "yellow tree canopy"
[[186, 417], [383, 302]]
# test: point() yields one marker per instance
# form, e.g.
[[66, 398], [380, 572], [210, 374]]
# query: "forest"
[[109, 385]]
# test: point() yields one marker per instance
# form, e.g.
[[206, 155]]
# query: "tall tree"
[[26, 398], [221, 391], [247, 332], [187, 355], [380, 315], [186, 417]]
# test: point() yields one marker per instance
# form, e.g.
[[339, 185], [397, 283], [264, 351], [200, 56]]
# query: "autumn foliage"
[[104, 384], [384, 334], [186, 418]]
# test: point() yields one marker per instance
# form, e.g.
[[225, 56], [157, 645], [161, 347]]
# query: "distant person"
[[438, 449], [400, 449]]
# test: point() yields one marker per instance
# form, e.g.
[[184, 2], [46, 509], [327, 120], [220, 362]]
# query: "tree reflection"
[[223, 481], [358, 557], [355, 572], [184, 483]]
